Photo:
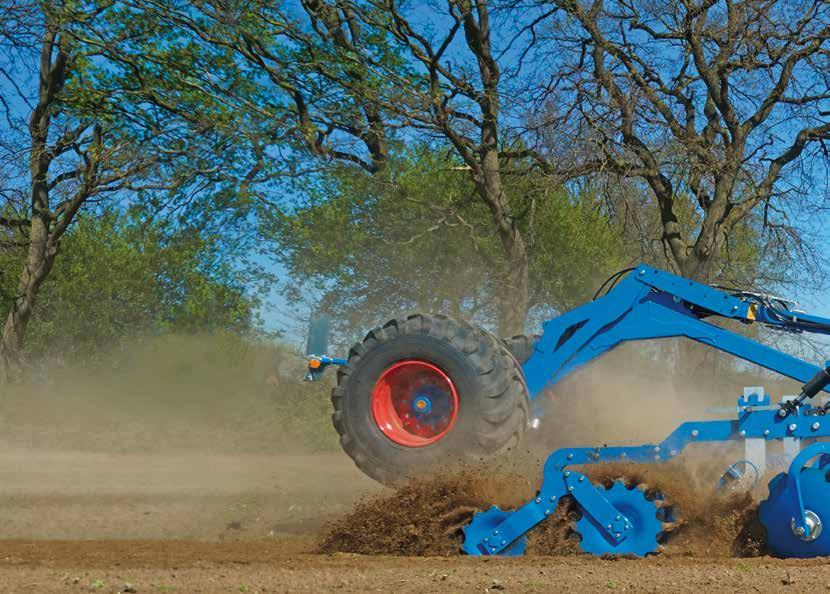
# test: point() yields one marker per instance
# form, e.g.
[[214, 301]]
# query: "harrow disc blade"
[[482, 527], [645, 524]]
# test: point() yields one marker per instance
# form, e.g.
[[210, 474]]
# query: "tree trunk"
[[512, 295], [38, 263], [43, 239], [693, 268], [695, 359]]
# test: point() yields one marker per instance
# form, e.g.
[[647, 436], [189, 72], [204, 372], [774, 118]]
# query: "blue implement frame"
[[756, 419], [651, 303], [648, 304]]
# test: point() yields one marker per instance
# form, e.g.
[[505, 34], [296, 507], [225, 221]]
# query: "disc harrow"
[[619, 520], [484, 528]]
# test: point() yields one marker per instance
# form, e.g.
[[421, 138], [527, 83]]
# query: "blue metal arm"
[[651, 303], [317, 366], [759, 422]]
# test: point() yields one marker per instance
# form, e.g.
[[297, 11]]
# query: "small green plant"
[[612, 585], [98, 584]]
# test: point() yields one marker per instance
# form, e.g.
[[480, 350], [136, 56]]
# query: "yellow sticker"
[[753, 307]]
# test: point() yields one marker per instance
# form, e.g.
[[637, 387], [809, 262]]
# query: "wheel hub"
[[414, 403], [422, 405], [813, 527]]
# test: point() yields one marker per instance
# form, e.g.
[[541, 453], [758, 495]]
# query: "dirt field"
[[271, 566], [83, 522]]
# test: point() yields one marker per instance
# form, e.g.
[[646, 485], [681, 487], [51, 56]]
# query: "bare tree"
[[718, 109], [722, 104], [39, 225], [459, 97], [352, 74]]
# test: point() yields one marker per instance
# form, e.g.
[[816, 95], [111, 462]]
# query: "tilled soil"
[[67, 495], [274, 566], [80, 522], [425, 517]]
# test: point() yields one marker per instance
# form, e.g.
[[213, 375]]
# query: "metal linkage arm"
[[817, 383], [558, 480], [317, 365], [651, 303]]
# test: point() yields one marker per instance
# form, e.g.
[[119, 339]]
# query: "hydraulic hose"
[[816, 384]]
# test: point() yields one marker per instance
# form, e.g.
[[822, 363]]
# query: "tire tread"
[[504, 402]]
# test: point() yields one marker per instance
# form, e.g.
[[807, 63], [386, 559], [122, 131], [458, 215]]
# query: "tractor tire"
[[521, 346], [424, 391]]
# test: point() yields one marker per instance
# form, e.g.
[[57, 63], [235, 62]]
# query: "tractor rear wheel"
[[423, 391]]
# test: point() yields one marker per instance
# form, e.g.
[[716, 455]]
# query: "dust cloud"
[[214, 438], [640, 392], [629, 397], [425, 517], [179, 437]]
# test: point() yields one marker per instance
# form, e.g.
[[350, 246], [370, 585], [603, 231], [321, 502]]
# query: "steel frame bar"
[[756, 420], [651, 303]]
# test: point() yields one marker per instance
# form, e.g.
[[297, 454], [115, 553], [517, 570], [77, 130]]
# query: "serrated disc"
[[641, 538]]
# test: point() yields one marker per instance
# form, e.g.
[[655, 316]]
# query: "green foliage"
[[383, 244], [120, 277], [416, 237], [573, 244]]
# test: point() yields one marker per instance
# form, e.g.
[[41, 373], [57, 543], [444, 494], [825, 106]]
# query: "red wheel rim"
[[414, 403]]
